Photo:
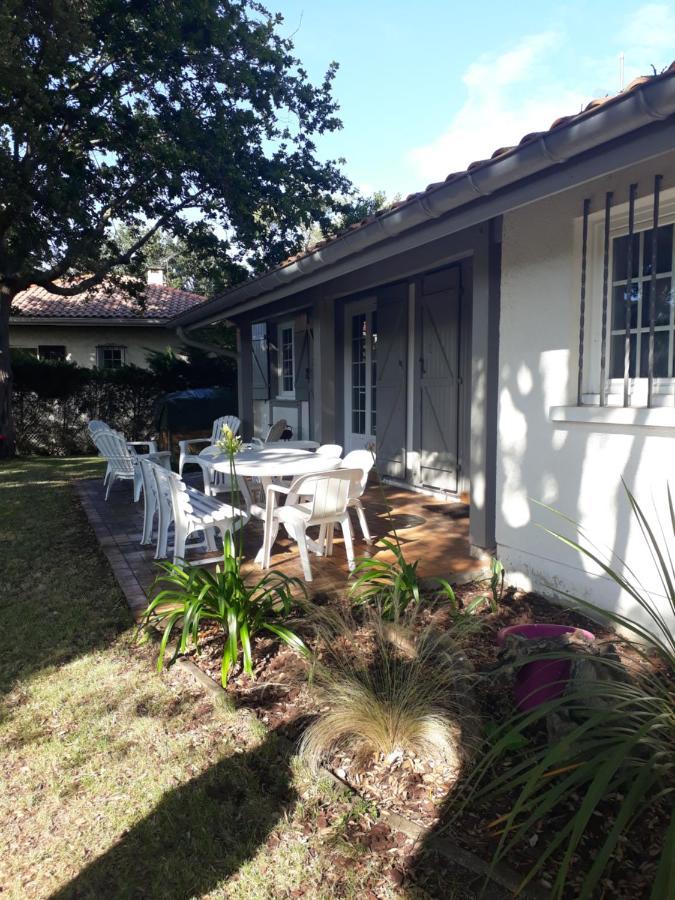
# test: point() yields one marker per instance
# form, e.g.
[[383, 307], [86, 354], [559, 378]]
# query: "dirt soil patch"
[[417, 788]]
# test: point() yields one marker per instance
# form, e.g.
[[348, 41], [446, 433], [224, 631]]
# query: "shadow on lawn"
[[59, 598], [199, 834]]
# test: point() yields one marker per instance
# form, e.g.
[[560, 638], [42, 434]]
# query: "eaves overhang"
[[513, 178]]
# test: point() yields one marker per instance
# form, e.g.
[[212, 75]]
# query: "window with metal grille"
[[52, 351], [627, 302], [631, 304], [286, 361], [110, 356]]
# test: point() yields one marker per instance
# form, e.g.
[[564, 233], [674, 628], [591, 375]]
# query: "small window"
[[286, 361], [52, 351], [110, 356], [633, 304]]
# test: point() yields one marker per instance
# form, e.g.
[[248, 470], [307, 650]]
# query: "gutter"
[[81, 322], [649, 102]]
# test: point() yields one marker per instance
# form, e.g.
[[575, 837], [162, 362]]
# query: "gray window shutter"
[[301, 356], [392, 352], [261, 369]]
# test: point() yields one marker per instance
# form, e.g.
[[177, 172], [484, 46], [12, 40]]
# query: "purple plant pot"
[[544, 679]]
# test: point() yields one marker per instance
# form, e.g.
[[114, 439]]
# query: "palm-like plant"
[[192, 595], [392, 585], [620, 747]]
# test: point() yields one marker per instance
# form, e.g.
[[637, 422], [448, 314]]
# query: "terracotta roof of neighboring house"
[[476, 174], [161, 304]]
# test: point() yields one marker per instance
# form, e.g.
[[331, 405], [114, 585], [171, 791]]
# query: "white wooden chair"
[[363, 460], [332, 450], [327, 497], [232, 422], [194, 511]]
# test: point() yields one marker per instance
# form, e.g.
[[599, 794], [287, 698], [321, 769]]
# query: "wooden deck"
[[430, 530]]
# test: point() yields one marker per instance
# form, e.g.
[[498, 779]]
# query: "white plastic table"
[[267, 464]]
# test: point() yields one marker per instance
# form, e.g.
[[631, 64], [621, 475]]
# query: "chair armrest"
[[277, 488], [162, 458], [183, 445], [151, 445]]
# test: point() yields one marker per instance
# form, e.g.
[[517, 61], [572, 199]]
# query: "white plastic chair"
[[151, 503], [326, 505], [363, 460], [98, 426], [194, 511], [232, 422], [122, 462], [333, 450]]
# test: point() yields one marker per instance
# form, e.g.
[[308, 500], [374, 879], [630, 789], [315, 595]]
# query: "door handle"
[[423, 370]]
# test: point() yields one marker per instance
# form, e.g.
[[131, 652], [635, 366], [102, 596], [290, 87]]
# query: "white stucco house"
[[101, 328], [506, 334]]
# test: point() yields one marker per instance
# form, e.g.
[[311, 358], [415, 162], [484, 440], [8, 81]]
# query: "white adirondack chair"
[[327, 496], [363, 460], [97, 426], [275, 431], [194, 511], [216, 433], [122, 462]]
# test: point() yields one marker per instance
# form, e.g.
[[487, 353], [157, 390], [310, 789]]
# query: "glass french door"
[[361, 375]]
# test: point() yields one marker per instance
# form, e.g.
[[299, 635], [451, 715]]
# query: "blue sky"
[[426, 87]]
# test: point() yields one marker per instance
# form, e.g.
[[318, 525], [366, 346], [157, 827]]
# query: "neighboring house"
[[478, 334], [99, 328]]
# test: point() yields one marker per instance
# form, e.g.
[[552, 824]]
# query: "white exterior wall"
[[574, 467], [81, 341]]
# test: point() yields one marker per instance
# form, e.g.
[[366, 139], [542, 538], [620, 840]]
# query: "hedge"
[[53, 401]]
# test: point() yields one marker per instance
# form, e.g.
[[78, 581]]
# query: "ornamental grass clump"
[[609, 780], [387, 689]]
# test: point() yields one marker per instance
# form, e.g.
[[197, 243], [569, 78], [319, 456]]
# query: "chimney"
[[155, 276]]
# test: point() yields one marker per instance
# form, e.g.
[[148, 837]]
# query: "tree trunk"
[[7, 433]]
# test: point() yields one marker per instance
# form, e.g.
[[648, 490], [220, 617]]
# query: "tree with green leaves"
[[189, 116]]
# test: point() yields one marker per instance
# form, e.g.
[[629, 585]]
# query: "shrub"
[[387, 688], [192, 595], [619, 745], [393, 585]]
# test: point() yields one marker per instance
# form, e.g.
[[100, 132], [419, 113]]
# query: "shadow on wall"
[[577, 470], [217, 822]]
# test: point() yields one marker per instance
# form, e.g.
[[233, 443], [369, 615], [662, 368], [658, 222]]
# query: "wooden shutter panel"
[[261, 380], [392, 354], [301, 359]]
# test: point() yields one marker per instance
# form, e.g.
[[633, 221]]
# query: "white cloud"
[[507, 97], [649, 31]]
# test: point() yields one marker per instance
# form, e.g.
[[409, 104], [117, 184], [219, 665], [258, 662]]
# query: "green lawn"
[[117, 782]]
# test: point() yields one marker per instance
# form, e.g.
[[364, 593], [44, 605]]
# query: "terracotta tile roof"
[[161, 304], [588, 110]]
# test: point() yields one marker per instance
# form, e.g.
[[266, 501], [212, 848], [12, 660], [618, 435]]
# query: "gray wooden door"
[[438, 378], [392, 346]]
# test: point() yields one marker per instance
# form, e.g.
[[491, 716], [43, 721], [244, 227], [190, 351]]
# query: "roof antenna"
[[621, 75]]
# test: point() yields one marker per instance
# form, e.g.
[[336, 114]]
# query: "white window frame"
[[664, 388], [352, 440], [284, 393], [100, 350]]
